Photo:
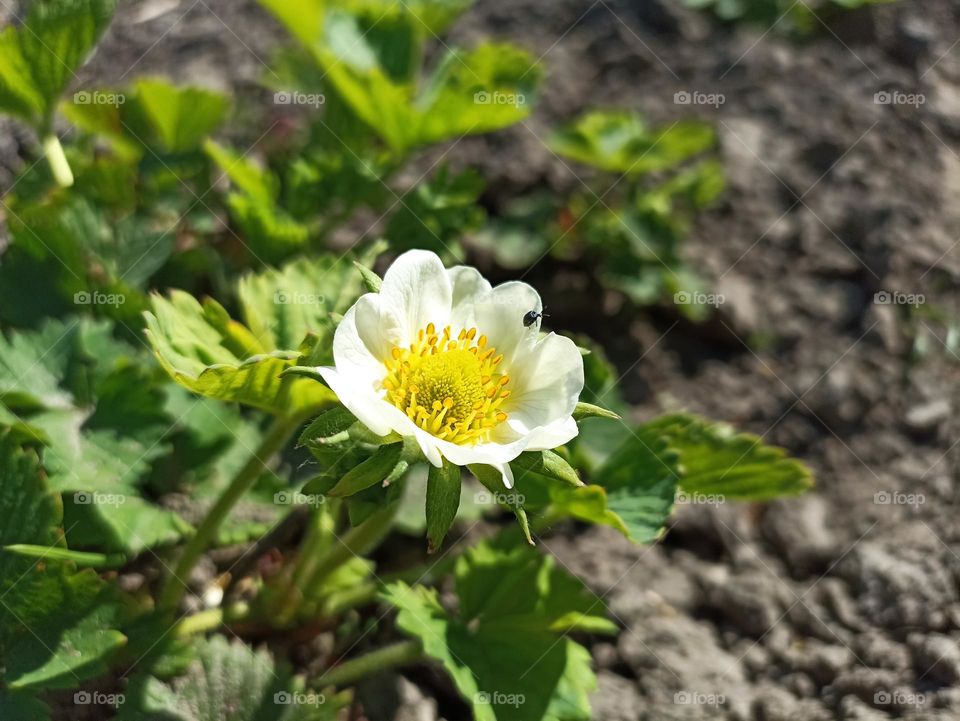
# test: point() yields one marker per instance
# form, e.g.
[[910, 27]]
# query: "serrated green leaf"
[[621, 142], [152, 113], [716, 460], [55, 624], [38, 60], [120, 522], [502, 649], [371, 64], [288, 316], [640, 479], [216, 357], [442, 502], [227, 682], [101, 427]]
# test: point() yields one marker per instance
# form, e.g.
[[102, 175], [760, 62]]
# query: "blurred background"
[[808, 199]]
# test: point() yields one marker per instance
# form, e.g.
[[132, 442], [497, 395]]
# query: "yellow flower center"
[[450, 388]]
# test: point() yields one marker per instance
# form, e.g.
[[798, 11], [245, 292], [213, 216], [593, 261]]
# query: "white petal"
[[500, 317], [469, 288], [362, 402], [546, 380], [416, 291], [506, 472], [555, 434], [360, 341]]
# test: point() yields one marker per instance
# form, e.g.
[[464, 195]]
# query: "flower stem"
[[349, 672], [57, 160], [276, 438], [358, 541], [210, 619]]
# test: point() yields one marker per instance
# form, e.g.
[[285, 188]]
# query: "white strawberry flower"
[[444, 357]]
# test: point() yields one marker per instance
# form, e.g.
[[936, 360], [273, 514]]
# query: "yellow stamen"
[[449, 388]]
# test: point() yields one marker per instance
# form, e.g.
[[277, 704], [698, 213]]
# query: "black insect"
[[531, 317]]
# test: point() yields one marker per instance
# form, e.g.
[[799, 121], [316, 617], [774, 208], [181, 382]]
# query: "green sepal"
[[329, 428], [588, 410], [443, 500], [372, 471], [545, 463], [371, 280]]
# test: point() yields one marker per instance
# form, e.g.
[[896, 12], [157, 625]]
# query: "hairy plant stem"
[[276, 438], [356, 542], [210, 619], [349, 672]]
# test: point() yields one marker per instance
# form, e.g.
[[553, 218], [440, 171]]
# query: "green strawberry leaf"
[[209, 354], [640, 479], [621, 142], [228, 681], [152, 114], [38, 59], [503, 648], [55, 623], [716, 460]]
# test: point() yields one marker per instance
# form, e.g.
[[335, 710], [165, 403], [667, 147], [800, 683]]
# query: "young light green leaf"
[[210, 354], [39, 59], [443, 500], [621, 142], [716, 460]]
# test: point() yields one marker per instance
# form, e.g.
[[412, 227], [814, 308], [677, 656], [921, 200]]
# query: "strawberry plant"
[[217, 418]]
